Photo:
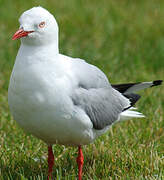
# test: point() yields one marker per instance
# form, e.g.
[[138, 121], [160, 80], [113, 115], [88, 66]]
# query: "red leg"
[[50, 161], [80, 161]]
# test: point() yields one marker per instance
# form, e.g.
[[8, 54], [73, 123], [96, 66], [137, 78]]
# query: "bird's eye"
[[42, 24]]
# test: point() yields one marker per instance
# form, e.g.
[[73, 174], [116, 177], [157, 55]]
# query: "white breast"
[[39, 101]]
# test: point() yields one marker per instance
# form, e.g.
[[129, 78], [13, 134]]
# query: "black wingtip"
[[157, 83], [132, 97]]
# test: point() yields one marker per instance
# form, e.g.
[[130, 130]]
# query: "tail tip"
[[157, 83]]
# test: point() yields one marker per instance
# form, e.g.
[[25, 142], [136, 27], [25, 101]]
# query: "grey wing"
[[89, 76], [96, 97]]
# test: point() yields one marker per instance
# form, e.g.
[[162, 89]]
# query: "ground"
[[126, 40]]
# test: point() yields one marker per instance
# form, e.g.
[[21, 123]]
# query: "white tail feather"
[[130, 114]]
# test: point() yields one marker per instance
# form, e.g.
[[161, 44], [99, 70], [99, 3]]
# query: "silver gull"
[[61, 99]]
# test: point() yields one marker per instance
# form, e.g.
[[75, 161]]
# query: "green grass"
[[126, 40]]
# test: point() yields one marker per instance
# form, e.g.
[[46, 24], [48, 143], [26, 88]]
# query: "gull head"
[[37, 27]]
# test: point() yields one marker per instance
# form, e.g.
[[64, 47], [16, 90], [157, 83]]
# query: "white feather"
[[130, 114], [138, 87]]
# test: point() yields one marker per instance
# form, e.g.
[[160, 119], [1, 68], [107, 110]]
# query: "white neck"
[[32, 54], [47, 49]]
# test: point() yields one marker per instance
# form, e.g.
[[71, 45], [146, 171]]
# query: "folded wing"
[[95, 95]]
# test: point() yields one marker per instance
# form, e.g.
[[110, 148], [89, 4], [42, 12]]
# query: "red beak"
[[21, 33]]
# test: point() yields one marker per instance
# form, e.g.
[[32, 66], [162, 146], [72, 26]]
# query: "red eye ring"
[[42, 24]]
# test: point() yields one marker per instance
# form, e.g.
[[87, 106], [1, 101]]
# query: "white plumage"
[[57, 98], [43, 82]]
